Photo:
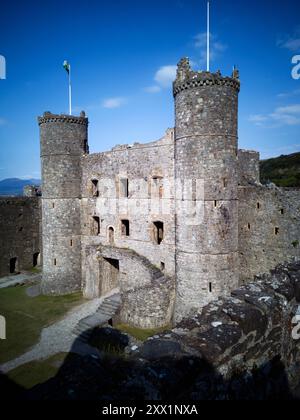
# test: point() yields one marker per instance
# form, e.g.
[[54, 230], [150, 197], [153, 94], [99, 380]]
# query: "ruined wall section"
[[149, 169], [269, 228], [249, 170], [20, 224]]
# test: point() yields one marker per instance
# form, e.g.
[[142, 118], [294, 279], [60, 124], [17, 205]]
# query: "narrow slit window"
[[210, 287], [162, 266], [215, 203], [258, 206], [276, 231], [282, 211], [249, 226], [53, 205], [225, 182], [71, 242], [54, 261]]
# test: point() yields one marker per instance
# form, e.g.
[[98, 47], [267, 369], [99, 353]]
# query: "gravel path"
[[10, 281], [59, 337]]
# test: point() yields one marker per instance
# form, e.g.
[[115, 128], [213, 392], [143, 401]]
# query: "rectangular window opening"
[[125, 227], [210, 287], [54, 261], [276, 231], [158, 232], [95, 188], [96, 226], [124, 187]]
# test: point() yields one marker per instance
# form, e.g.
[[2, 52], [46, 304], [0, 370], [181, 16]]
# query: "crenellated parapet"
[[189, 79], [48, 117]]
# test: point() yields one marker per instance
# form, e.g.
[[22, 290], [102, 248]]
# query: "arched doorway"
[[111, 236]]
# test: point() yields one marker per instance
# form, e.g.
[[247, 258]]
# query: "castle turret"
[[63, 143], [206, 145]]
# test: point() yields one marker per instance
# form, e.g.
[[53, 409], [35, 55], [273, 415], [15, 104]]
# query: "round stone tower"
[[64, 140], [206, 149]]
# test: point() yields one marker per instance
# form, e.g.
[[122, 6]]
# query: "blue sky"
[[123, 55]]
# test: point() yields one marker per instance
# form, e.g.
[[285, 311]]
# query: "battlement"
[[187, 78], [48, 117]]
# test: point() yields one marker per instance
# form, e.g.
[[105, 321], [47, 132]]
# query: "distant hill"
[[14, 186], [283, 171]]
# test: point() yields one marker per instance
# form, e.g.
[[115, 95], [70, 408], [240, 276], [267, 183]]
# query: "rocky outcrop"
[[254, 328]]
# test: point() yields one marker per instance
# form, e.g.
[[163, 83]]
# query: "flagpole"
[[70, 91], [208, 36]]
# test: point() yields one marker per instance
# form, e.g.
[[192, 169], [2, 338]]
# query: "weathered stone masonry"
[[20, 238], [109, 217]]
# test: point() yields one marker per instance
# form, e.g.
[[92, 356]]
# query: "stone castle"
[[172, 224]]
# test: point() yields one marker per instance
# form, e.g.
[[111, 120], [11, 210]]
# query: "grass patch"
[[26, 317], [141, 334], [35, 270], [37, 372]]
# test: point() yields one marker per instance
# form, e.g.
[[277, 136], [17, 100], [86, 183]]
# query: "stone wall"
[[63, 141], [20, 225], [206, 149], [269, 228], [149, 171], [147, 294], [249, 171]]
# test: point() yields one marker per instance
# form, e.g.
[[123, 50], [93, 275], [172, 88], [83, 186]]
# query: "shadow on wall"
[[115, 377]]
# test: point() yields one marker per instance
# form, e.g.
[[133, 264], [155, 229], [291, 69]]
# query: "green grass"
[[140, 334], [26, 317], [37, 372]]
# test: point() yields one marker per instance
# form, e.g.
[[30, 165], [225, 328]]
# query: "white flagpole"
[[208, 36], [70, 91]]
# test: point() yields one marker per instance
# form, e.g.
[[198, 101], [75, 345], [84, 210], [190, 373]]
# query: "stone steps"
[[104, 313]]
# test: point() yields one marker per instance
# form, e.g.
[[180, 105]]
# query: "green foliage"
[[295, 244], [26, 317], [283, 171]]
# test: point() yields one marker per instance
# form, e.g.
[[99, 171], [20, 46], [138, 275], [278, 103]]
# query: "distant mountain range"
[[14, 186], [283, 171]]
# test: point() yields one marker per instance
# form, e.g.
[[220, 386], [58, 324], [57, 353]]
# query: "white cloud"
[[290, 42], [258, 118], [113, 103], [165, 76], [295, 92], [217, 48], [285, 115], [152, 89]]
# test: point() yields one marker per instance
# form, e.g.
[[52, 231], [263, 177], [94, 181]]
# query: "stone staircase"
[[104, 313]]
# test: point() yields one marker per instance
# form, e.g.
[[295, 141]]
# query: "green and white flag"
[[67, 66]]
